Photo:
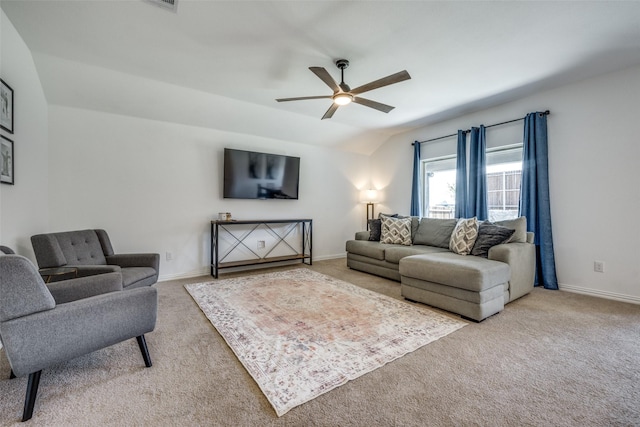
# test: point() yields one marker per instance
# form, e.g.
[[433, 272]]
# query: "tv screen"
[[252, 175]]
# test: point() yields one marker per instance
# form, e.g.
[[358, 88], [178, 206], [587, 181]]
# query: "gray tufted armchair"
[[90, 251], [38, 331]]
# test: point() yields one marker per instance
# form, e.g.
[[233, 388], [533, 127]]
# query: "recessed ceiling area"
[[222, 64]]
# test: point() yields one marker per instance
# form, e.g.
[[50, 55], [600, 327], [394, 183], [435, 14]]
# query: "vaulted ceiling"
[[222, 64]]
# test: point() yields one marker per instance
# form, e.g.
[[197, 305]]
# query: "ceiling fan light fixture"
[[342, 98], [343, 94]]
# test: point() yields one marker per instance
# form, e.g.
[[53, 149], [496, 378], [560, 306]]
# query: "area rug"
[[300, 333]]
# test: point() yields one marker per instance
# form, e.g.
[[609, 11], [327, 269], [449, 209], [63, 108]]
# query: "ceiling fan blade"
[[330, 111], [373, 104], [303, 98], [385, 81], [326, 78]]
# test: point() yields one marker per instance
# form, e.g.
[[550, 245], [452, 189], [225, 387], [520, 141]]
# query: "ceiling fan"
[[343, 94]]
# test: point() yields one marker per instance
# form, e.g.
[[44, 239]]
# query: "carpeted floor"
[[551, 358]]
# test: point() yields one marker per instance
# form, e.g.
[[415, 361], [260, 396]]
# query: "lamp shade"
[[369, 196]]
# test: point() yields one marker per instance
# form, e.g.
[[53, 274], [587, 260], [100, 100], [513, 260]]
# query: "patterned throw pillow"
[[464, 236], [396, 231], [375, 229]]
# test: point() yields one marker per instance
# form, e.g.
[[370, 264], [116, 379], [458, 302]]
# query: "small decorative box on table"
[[239, 243]]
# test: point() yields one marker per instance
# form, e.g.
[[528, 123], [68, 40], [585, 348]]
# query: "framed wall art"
[[6, 107], [6, 161]]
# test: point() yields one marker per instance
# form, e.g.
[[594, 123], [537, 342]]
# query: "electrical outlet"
[[169, 256], [261, 244], [598, 266]]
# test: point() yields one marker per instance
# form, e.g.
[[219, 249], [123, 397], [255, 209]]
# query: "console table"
[[250, 228]]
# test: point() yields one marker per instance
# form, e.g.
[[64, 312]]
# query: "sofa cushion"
[[369, 249], [396, 231], [81, 247], [434, 232], [496, 292], [136, 276], [395, 253], [466, 272], [519, 225], [464, 236], [490, 235]]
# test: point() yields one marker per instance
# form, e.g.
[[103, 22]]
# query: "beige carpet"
[[549, 359], [300, 333]]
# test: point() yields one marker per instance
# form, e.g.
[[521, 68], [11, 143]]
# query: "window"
[[504, 169], [439, 187]]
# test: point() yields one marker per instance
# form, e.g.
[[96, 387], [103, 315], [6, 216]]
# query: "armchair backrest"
[[22, 290], [6, 250], [82, 247]]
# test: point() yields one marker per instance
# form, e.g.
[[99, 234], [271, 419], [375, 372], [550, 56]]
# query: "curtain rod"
[[546, 113]]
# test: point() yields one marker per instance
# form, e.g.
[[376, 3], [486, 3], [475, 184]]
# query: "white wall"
[[593, 168], [155, 186], [23, 207]]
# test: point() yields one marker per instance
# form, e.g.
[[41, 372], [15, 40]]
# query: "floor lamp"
[[370, 198]]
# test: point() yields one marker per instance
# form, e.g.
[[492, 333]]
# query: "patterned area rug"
[[300, 333]]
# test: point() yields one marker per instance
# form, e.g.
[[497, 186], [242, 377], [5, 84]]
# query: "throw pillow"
[[396, 231], [375, 228], [382, 215], [435, 232], [490, 235], [415, 221], [519, 225], [464, 236]]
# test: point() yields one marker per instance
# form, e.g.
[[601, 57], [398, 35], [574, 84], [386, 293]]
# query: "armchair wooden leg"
[[12, 375], [142, 343], [32, 391]]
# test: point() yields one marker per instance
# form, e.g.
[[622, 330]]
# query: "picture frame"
[[6, 106], [7, 161]]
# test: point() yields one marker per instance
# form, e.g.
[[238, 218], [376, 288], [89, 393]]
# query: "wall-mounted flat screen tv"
[[252, 175]]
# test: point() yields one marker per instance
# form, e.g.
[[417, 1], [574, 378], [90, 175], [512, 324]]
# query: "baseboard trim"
[[600, 294], [188, 275], [326, 257]]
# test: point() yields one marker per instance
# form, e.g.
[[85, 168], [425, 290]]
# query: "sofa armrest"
[[47, 338], [135, 260], [530, 237], [521, 258], [363, 235], [85, 287]]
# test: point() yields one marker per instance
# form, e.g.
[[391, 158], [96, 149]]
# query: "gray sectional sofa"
[[473, 286]]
